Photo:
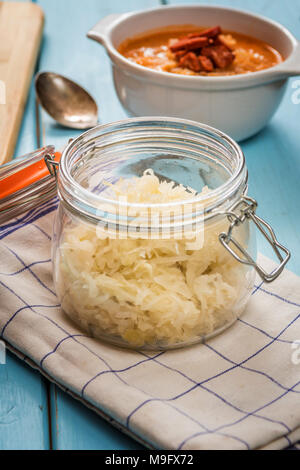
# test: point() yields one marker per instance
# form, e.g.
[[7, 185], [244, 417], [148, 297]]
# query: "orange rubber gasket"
[[25, 177]]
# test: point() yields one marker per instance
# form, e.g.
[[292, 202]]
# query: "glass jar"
[[154, 245]]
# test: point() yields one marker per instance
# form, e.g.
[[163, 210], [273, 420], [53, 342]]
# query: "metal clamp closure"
[[247, 207], [52, 165]]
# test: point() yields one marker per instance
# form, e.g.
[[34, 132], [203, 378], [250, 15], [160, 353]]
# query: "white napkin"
[[241, 390]]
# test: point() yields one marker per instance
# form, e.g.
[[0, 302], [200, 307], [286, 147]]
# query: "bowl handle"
[[291, 66], [101, 30]]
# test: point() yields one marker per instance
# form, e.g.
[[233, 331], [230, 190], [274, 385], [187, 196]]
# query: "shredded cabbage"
[[147, 291]]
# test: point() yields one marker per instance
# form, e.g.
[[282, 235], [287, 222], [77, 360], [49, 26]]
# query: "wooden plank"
[[26, 141], [23, 407], [20, 24], [67, 50], [77, 427]]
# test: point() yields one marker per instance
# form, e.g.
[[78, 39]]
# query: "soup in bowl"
[[200, 51], [239, 99]]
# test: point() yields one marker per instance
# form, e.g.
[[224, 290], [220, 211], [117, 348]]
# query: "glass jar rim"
[[83, 200]]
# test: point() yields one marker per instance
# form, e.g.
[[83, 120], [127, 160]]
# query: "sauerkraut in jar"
[[140, 239]]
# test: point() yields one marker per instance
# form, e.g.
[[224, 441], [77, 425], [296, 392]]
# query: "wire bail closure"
[[51, 164], [247, 207]]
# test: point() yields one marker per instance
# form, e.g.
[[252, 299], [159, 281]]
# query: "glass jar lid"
[[190, 154]]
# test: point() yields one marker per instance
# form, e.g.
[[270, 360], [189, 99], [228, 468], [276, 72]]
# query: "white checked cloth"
[[241, 390]]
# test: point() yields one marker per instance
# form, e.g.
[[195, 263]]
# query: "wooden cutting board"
[[21, 26]]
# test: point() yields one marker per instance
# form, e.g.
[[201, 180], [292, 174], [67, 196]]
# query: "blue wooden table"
[[34, 414]]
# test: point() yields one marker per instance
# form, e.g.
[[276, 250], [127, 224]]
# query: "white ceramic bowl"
[[239, 105]]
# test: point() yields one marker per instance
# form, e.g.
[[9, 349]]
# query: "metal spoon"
[[65, 101]]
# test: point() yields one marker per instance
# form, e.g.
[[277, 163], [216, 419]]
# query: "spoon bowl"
[[65, 101]]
